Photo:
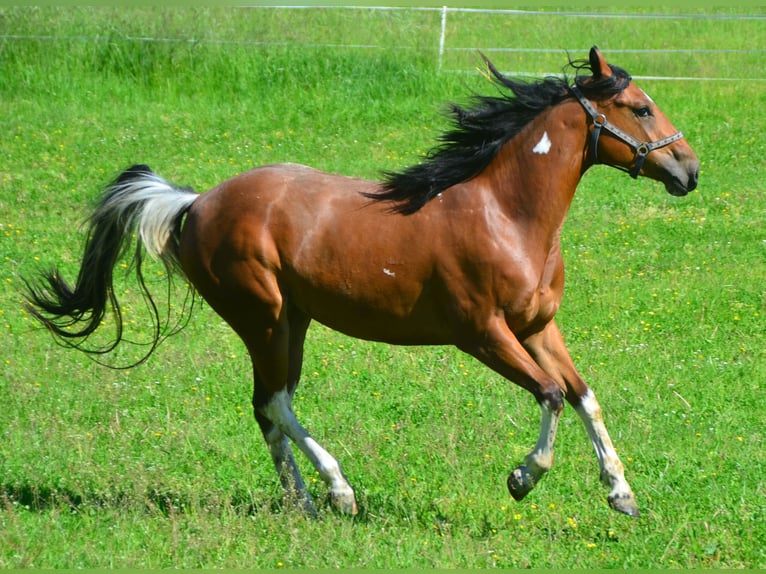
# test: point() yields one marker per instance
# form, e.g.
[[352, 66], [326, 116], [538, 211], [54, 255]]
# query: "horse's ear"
[[598, 64]]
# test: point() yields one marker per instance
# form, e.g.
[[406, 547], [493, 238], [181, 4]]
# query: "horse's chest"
[[532, 299], [548, 302]]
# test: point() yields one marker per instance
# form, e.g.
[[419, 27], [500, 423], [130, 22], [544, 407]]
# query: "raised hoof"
[[345, 503], [520, 482], [624, 503]]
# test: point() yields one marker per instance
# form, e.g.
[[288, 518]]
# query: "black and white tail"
[[137, 201]]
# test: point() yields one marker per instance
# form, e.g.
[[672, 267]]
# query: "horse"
[[461, 249]]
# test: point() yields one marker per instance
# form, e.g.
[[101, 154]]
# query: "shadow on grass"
[[168, 502], [153, 500]]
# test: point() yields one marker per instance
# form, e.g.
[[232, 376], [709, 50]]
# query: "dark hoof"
[[520, 483], [624, 503]]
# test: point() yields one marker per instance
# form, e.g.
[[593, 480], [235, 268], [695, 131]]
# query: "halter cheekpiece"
[[600, 122]]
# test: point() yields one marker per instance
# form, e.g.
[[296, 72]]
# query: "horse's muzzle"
[[682, 181]]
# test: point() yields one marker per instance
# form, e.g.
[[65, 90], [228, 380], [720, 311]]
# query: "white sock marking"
[[279, 412], [612, 471], [541, 456]]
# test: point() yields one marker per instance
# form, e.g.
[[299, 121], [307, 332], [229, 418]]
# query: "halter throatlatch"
[[600, 122]]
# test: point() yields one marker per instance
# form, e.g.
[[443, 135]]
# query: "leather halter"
[[600, 122]]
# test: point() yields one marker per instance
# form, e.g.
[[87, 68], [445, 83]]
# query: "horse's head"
[[640, 139]]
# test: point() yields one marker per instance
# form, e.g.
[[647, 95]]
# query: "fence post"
[[441, 38]]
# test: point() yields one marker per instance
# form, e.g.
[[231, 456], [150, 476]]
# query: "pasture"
[[162, 465]]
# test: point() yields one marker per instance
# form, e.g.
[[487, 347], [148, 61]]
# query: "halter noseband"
[[600, 122]]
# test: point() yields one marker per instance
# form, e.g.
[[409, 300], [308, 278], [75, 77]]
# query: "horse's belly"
[[404, 315], [386, 330]]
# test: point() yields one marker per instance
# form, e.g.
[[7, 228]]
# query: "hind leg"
[[279, 411], [277, 360], [284, 462], [277, 441]]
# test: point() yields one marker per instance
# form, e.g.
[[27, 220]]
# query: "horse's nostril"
[[693, 178]]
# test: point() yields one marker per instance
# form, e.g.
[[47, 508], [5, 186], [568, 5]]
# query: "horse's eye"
[[643, 112]]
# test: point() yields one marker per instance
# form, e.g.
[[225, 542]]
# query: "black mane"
[[481, 130]]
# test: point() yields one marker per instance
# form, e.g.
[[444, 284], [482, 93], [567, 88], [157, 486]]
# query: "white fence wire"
[[756, 50], [457, 37]]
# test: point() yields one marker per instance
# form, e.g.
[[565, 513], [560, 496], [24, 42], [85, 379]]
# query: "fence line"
[[624, 16], [445, 10], [443, 48]]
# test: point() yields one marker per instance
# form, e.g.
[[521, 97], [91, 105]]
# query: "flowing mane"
[[481, 130]]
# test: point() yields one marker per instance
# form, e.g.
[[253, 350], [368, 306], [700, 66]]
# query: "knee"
[[551, 398]]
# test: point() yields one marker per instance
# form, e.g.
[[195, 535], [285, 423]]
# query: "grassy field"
[[162, 465]]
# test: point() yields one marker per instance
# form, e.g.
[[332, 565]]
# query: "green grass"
[[162, 465]]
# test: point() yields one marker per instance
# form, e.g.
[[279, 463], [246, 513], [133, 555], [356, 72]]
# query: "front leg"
[[499, 349], [620, 497], [548, 349], [522, 480]]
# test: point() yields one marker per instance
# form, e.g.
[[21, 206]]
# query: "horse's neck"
[[535, 175]]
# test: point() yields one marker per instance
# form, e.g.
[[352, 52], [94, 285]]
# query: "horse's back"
[[265, 213]]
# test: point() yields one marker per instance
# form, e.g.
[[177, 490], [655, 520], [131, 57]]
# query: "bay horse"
[[461, 249]]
